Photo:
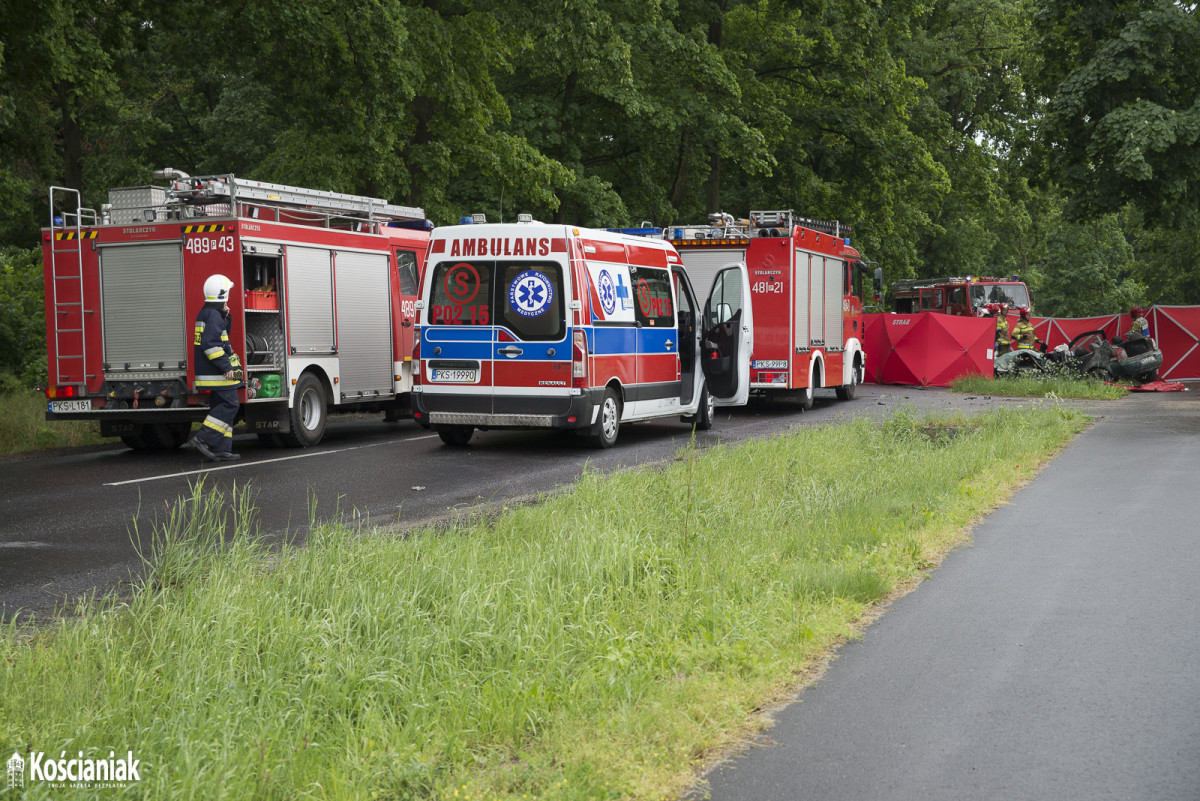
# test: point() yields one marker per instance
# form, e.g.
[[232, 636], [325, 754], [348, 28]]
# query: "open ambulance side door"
[[727, 336]]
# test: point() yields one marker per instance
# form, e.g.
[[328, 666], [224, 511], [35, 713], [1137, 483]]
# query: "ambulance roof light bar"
[[646, 229]]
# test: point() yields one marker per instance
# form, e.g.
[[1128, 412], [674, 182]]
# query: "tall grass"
[[1040, 385], [598, 644], [24, 427]]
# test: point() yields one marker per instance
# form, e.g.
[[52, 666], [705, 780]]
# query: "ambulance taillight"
[[578, 359], [416, 355]]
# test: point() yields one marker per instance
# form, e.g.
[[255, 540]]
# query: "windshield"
[[1084, 344], [1015, 295]]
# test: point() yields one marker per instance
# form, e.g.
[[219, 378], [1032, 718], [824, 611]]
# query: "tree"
[[968, 54], [1122, 116], [59, 96], [1087, 269], [22, 320]]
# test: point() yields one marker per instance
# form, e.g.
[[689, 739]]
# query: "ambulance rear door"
[[531, 354], [457, 335], [727, 336]]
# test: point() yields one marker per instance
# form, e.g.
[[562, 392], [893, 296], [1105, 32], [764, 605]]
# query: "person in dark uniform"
[[218, 372]]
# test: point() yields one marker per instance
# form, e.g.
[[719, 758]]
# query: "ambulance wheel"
[[308, 413], [610, 420], [805, 397], [850, 390], [457, 435], [707, 411]]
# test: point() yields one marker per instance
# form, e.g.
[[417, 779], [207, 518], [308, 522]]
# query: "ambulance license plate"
[[456, 375], [67, 406]]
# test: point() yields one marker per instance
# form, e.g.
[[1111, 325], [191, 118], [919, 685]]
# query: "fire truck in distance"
[[321, 313], [964, 296], [806, 290]]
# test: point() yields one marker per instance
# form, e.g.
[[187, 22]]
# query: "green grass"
[[602, 643], [1039, 386], [24, 427]]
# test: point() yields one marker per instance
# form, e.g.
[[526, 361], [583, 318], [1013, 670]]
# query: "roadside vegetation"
[[1040, 385], [602, 643], [23, 425]]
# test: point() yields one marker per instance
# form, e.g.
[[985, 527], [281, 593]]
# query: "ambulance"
[[535, 326]]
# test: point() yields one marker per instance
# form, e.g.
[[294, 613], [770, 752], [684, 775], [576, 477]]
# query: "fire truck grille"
[[492, 420]]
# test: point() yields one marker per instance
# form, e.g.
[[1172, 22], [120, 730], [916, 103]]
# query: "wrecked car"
[[1133, 358], [1019, 362]]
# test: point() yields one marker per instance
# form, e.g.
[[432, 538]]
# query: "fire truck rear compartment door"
[[364, 334], [702, 265], [816, 295], [727, 336], [142, 304], [834, 293], [310, 300], [801, 302]]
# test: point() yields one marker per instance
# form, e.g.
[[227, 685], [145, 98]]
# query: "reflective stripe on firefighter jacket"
[[1023, 335], [1140, 326], [214, 355]]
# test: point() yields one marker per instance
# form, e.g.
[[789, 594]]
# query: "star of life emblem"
[[608, 292], [530, 293]]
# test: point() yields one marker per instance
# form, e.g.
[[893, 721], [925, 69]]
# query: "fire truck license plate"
[[58, 407], [458, 376]]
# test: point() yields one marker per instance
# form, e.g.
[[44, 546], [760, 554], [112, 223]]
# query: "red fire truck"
[[322, 310], [965, 296], [806, 289]]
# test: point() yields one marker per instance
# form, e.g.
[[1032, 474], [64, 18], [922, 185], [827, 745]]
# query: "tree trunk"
[[72, 140], [713, 187], [679, 187]]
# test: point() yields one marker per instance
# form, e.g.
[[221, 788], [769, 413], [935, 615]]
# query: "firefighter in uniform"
[[1138, 324], [1022, 333], [218, 372], [1003, 338]]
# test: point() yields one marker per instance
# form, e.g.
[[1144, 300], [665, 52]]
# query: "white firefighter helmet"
[[216, 288]]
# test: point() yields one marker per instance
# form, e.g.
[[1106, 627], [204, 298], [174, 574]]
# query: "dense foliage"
[[1052, 138]]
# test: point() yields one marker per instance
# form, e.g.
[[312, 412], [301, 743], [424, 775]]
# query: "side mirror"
[[878, 279], [724, 313]]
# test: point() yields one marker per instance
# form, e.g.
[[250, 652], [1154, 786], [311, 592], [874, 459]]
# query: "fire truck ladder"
[[66, 273], [785, 219], [232, 190]]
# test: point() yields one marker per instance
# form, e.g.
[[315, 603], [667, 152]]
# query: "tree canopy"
[[1056, 139]]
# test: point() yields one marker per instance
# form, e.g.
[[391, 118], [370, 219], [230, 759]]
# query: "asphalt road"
[[67, 520], [1057, 657]]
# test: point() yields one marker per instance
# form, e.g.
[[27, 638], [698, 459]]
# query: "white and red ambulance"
[[531, 325]]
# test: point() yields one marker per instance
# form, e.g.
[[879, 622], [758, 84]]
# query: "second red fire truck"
[[806, 290], [965, 296]]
